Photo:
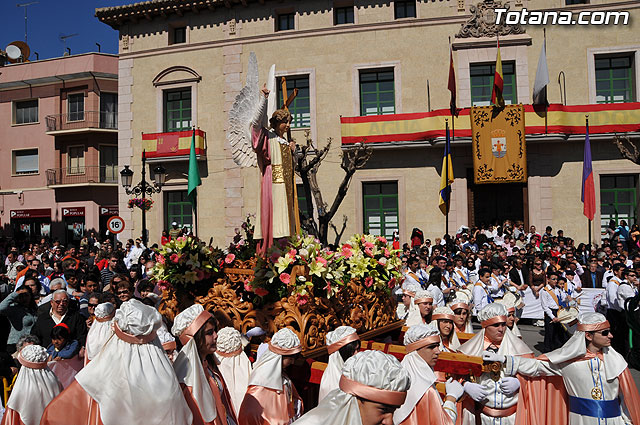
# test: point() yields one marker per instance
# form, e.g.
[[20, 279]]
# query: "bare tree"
[[627, 148], [308, 160]]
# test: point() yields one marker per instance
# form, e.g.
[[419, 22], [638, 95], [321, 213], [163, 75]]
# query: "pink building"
[[59, 147]]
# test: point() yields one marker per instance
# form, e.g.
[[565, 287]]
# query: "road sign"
[[115, 224]]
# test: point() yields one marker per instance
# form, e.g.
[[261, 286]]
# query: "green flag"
[[194, 172]]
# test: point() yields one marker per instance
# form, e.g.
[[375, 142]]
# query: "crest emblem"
[[498, 143]]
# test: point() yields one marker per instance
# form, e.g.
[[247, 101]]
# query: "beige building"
[[183, 62]]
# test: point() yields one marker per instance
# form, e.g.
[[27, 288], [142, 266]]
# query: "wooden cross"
[[287, 101]]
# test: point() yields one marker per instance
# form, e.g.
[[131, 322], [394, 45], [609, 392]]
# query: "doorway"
[[493, 203]]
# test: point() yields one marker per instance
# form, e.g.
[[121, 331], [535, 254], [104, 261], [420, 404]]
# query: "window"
[[482, 83], [25, 161], [178, 209], [108, 164], [570, 2], [75, 161], [614, 79], [300, 108], [380, 202], [178, 35], [76, 107], [285, 21], [109, 110], [26, 112], [343, 15], [618, 199], [377, 92], [177, 110], [302, 201], [404, 9]]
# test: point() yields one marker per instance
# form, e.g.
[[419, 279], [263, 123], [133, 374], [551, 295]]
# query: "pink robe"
[[11, 417], [222, 409], [73, 406], [429, 410], [265, 406]]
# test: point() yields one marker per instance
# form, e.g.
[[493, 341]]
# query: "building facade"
[[182, 63], [59, 144]]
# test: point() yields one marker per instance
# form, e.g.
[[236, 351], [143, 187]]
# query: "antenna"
[[25, 6], [63, 38]]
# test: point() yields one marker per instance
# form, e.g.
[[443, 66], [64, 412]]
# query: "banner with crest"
[[499, 145]]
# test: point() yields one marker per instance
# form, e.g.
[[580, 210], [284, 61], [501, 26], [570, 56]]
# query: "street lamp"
[[143, 188]]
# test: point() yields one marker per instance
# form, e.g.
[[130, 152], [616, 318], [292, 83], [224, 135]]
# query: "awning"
[[561, 119]]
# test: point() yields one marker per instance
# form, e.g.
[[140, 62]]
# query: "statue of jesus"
[[277, 215]]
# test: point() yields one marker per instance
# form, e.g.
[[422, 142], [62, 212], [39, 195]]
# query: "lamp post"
[[143, 188]]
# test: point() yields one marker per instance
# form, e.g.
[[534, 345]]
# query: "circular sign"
[[115, 224]]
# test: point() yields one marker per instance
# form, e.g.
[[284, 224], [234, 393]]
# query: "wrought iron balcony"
[[82, 175], [82, 120]]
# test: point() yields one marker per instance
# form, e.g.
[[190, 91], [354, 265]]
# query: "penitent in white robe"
[[579, 378]]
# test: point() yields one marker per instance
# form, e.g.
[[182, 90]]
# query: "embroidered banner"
[[498, 146], [178, 143]]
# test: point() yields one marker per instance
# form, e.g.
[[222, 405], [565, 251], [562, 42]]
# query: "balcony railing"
[[83, 119], [80, 175]]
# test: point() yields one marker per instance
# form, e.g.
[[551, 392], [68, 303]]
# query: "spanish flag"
[[446, 178], [498, 83]]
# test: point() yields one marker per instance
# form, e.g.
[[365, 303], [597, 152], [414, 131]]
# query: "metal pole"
[[144, 195], [446, 178]]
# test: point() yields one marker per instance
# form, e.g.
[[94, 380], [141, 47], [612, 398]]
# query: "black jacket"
[[44, 324], [515, 277]]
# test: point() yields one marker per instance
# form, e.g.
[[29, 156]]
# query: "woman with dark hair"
[[202, 384], [341, 344], [21, 310], [135, 274]]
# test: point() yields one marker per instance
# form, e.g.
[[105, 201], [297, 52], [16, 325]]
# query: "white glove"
[[257, 331], [454, 389], [489, 356], [475, 391], [509, 385]]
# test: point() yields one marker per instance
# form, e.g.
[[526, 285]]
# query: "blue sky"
[[48, 19]]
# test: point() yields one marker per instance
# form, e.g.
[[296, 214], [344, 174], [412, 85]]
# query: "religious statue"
[[254, 142]]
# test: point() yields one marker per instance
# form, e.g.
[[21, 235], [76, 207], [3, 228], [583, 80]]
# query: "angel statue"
[[254, 142]]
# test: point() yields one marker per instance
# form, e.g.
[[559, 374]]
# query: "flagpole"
[[544, 32], [589, 220], [446, 173]]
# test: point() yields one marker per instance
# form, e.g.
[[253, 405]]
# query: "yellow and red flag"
[[498, 83]]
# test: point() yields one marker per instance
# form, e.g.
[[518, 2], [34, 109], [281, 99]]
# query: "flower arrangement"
[[373, 261], [243, 247], [142, 203], [299, 266], [183, 262]]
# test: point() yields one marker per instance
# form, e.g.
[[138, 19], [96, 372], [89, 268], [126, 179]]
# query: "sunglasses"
[[92, 305], [61, 301], [605, 332], [125, 291]]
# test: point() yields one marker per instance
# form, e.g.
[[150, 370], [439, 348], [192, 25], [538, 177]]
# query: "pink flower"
[[285, 278], [387, 253], [229, 258], [163, 284], [160, 259], [321, 260], [292, 253], [247, 286], [368, 252], [346, 252], [302, 299], [261, 292], [174, 258], [200, 274], [368, 282], [368, 245], [382, 239], [347, 246]]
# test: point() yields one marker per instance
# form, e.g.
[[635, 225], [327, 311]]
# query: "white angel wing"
[[240, 116], [271, 86]]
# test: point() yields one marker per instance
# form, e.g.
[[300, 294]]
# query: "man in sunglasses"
[[596, 378], [496, 395], [60, 313]]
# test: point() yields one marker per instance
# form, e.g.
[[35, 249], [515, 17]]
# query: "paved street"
[[533, 336]]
